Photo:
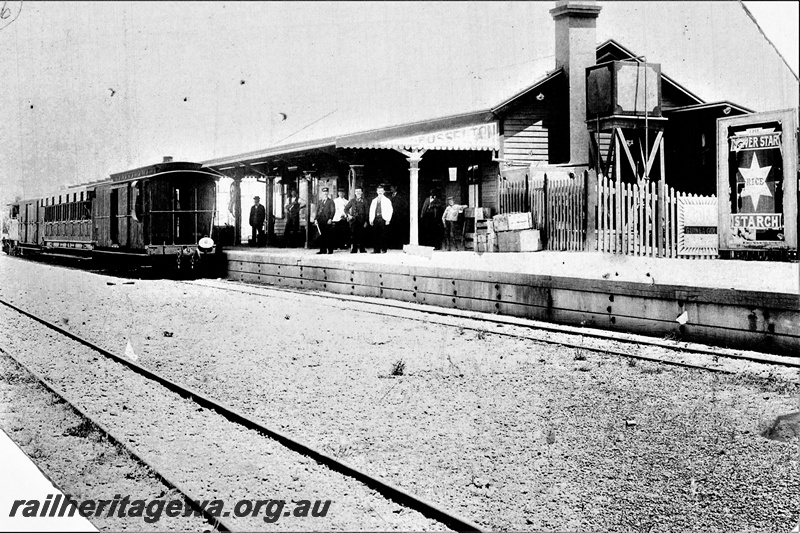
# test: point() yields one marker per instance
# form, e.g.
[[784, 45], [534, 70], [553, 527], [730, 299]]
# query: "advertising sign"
[[757, 181], [697, 226]]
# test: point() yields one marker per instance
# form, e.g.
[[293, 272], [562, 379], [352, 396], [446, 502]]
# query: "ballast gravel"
[[63, 443], [512, 433], [213, 458]]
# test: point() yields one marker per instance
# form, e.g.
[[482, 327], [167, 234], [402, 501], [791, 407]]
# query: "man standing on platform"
[[356, 211], [429, 216], [257, 217], [452, 235], [292, 230], [380, 215], [324, 221], [340, 221], [400, 217]]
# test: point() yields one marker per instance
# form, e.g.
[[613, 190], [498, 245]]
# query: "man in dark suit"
[[324, 221], [357, 212], [257, 217], [430, 221], [400, 219]]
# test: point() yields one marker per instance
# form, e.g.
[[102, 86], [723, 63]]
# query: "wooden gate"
[[559, 209], [512, 190], [560, 200]]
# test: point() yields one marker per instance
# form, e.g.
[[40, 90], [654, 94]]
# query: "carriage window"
[[138, 199]]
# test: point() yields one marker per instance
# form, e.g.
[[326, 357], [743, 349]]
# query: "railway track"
[[191, 500], [395, 309], [390, 491]]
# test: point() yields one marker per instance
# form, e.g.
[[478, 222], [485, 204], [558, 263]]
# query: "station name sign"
[[477, 137], [483, 137]]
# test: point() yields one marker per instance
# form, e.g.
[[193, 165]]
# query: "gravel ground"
[[512, 433], [198, 449], [63, 443]]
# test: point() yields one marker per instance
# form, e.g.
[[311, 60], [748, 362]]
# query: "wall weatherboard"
[[757, 181]]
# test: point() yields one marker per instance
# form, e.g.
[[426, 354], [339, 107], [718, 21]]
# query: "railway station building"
[[488, 148]]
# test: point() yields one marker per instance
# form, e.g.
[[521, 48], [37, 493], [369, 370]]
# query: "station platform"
[[751, 305], [21, 479]]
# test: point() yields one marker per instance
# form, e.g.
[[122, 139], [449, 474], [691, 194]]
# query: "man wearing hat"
[[429, 216], [324, 221], [257, 217], [450, 223], [357, 211], [380, 215]]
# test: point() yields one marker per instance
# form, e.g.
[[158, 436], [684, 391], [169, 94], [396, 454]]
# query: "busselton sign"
[[757, 181]]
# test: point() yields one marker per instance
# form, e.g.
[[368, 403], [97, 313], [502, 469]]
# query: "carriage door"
[[113, 216], [38, 231], [123, 217]]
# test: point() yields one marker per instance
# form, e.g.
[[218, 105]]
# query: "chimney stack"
[[576, 50], [167, 159]]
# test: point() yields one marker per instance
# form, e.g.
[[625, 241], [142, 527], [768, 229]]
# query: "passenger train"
[[157, 215]]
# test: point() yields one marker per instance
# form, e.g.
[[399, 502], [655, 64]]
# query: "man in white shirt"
[[380, 215], [450, 221], [340, 220]]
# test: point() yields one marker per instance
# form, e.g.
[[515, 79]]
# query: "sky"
[[780, 21], [91, 88]]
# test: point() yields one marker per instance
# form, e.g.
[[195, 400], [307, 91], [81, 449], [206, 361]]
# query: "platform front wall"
[[765, 322]]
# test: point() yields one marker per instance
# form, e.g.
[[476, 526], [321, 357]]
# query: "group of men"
[[334, 217], [338, 218]]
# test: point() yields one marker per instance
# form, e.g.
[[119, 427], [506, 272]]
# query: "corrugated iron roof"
[[420, 112]]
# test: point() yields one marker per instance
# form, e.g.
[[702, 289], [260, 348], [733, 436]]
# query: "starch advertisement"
[[757, 192]]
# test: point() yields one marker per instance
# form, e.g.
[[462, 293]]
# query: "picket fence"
[[638, 219]]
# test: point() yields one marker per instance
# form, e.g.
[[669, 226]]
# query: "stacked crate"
[[515, 234], [484, 238]]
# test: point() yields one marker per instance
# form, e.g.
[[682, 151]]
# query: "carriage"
[[154, 215]]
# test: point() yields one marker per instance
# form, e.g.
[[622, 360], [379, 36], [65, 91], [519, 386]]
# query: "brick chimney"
[[167, 159], [576, 22]]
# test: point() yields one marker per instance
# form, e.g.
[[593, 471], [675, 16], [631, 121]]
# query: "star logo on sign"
[[755, 181]]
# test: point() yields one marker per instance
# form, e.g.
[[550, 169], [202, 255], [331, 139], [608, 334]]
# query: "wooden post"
[[545, 235], [663, 189], [236, 191], [413, 158], [618, 193], [271, 209], [307, 179]]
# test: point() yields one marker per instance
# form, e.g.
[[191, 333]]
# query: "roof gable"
[[611, 50]]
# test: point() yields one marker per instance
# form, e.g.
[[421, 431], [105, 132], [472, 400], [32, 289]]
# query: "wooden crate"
[[527, 240]]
